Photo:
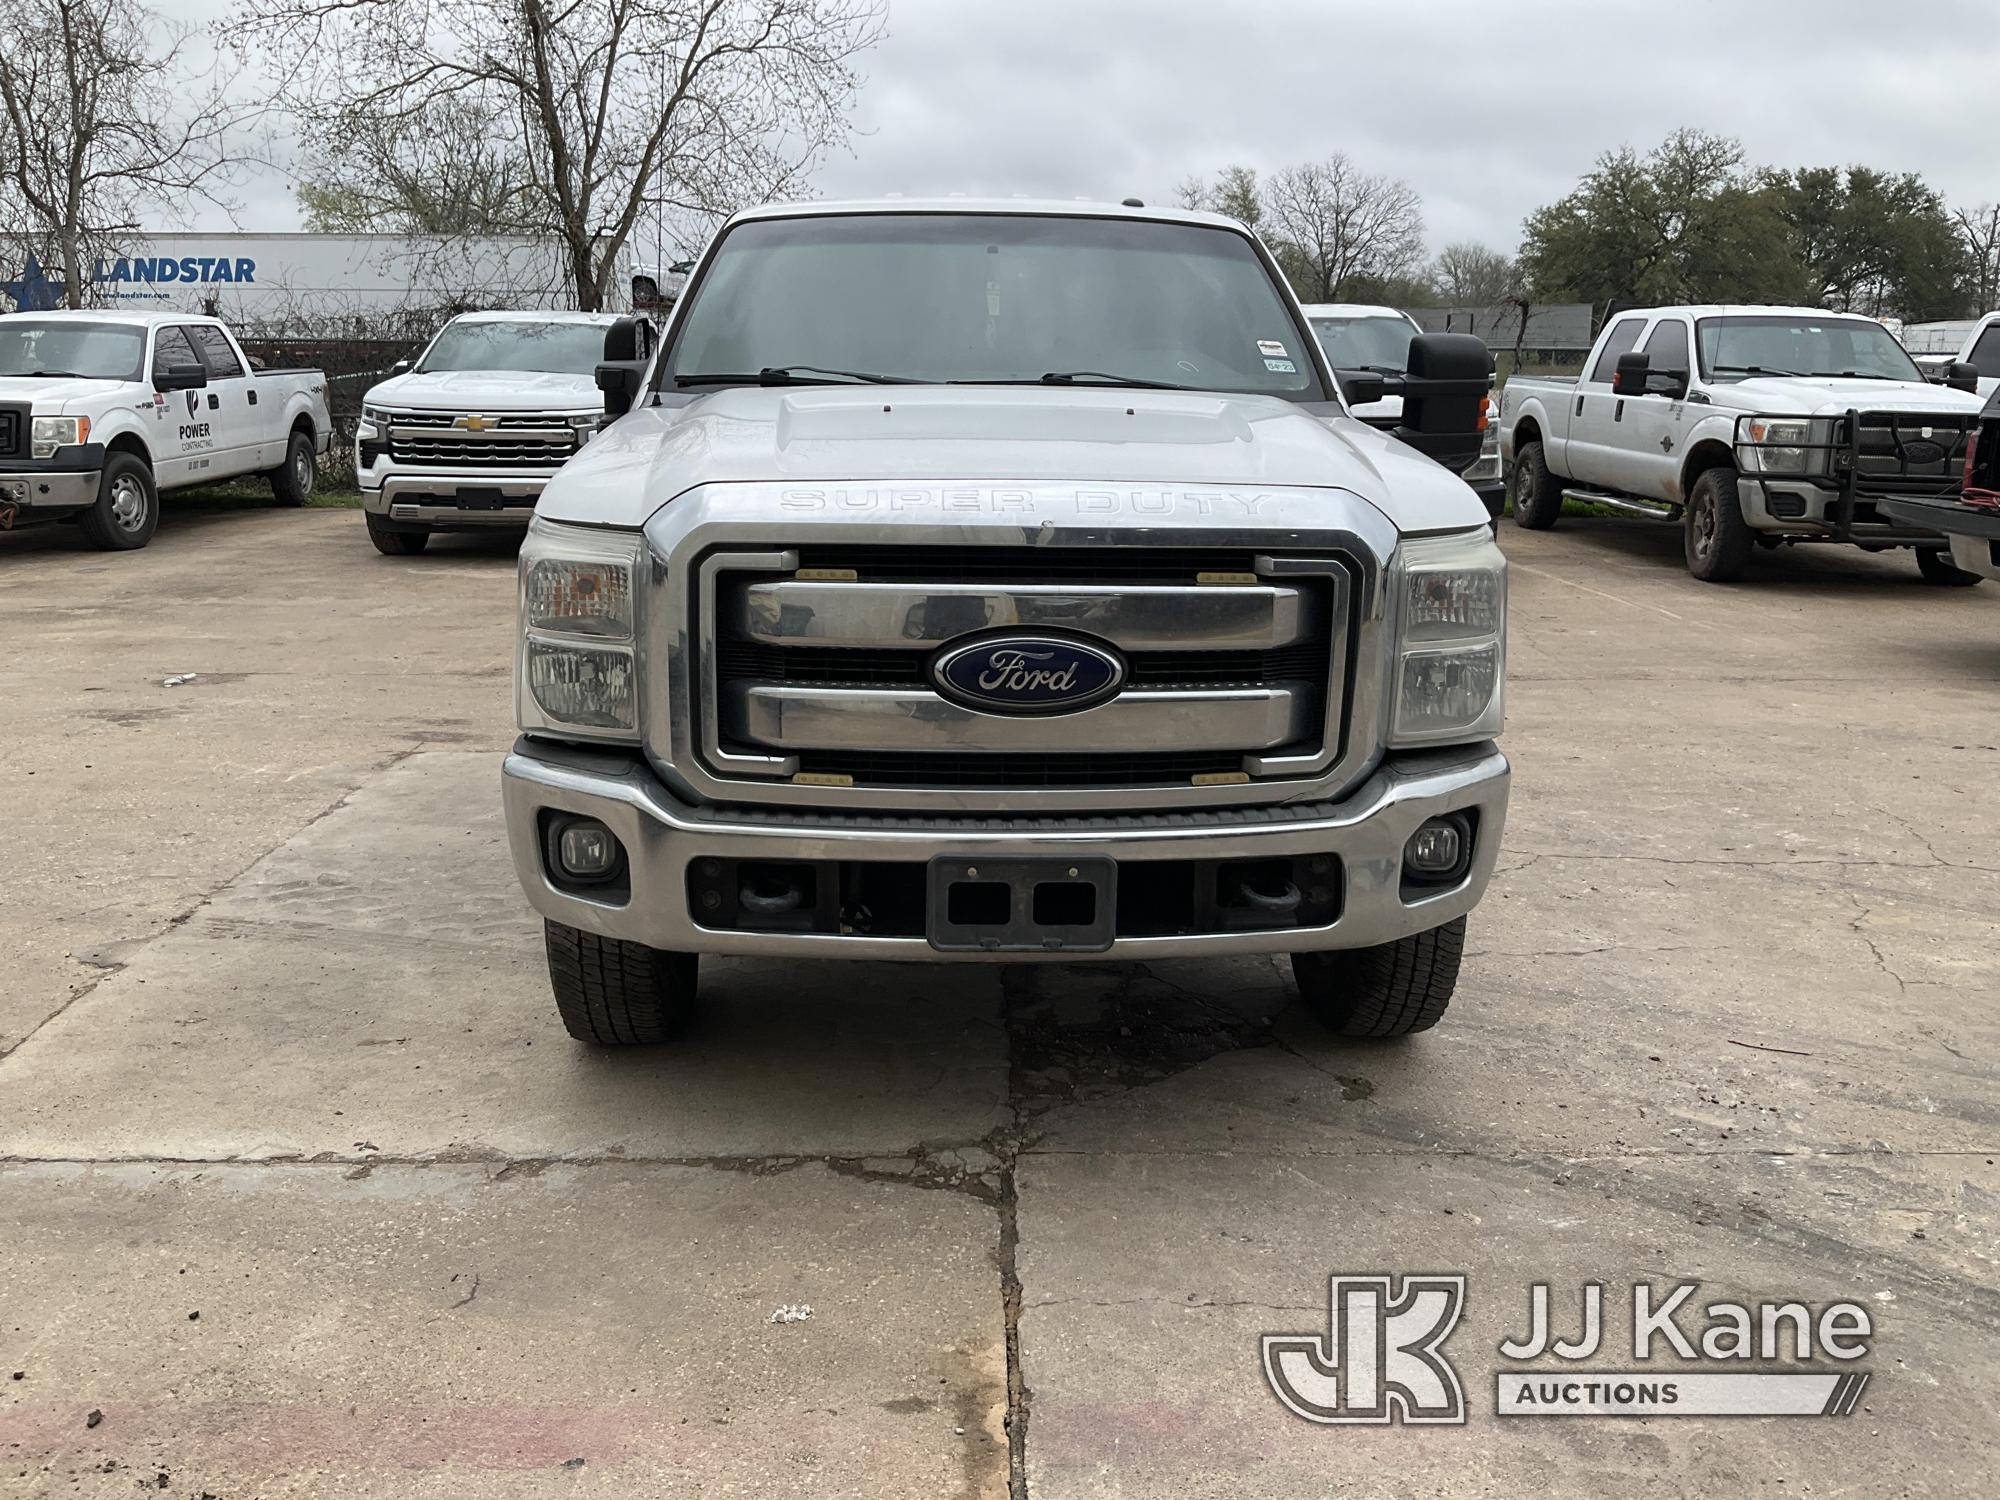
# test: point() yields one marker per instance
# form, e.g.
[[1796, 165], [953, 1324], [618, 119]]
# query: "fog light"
[[1436, 848], [587, 850]]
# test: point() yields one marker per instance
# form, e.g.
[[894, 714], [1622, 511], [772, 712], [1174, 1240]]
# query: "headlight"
[[1775, 458], [1451, 643], [585, 427], [577, 672], [50, 433], [374, 414]]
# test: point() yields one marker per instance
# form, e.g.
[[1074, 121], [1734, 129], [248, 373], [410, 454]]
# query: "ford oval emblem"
[[1028, 674], [1923, 453]]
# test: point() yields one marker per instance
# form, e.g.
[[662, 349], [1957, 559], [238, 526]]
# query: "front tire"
[[292, 482], [393, 540], [1535, 492], [127, 512], [617, 994], [1393, 989], [1937, 568], [1717, 540]]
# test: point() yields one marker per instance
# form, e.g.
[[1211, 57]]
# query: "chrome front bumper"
[[50, 489], [663, 835], [432, 497]]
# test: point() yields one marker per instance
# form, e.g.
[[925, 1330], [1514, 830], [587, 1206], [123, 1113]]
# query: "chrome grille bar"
[[1201, 617], [831, 718]]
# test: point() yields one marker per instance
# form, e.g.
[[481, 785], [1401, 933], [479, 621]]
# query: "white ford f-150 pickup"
[[1360, 336], [1748, 425], [1000, 582], [101, 411], [466, 437]]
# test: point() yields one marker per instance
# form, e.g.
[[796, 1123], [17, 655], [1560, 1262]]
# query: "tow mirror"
[[1361, 387], [1673, 384], [1444, 397], [180, 378], [628, 346], [1963, 377], [1631, 377]]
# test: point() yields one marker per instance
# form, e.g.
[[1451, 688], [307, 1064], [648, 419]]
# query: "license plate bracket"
[[1010, 905]]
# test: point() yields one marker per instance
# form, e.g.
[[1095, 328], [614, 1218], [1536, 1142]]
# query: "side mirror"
[[1673, 384], [401, 367], [1360, 387], [180, 378], [1963, 377], [1444, 397], [1630, 379], [628, 346]]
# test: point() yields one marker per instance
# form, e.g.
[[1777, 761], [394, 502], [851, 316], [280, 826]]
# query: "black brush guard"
[[1872, 456]]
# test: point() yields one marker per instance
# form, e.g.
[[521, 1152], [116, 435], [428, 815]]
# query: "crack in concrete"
[[1881, 962], [181, 919]]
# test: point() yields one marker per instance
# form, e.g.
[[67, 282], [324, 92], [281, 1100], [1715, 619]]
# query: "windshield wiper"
[[789, 375], [1099, 377], [1863, 375], [59, 374], [1761, 370]]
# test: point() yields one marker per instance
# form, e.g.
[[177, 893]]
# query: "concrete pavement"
[[278, 1050]]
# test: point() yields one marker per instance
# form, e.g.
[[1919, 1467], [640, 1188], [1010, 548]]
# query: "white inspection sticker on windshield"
[[1271, 349]]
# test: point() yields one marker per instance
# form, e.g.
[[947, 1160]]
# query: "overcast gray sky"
[[1487, 109]]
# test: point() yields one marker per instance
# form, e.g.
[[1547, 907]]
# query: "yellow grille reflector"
[[1213, 578], [821, 778], [827, 575], [1222, 778]]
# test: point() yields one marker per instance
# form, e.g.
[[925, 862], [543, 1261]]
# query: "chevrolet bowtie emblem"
[[473, 424]]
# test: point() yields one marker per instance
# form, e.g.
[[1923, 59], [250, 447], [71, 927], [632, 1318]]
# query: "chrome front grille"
[[816, 666], [432, 439]]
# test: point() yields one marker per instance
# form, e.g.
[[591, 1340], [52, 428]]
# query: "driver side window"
[[171, 348], [1667, 349], [1623, 337]]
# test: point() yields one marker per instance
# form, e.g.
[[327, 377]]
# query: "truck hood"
[[938, 434], [1833, 397], [488, 391], [50, 393]]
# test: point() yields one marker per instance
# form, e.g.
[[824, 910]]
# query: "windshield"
[[550, 348], [1379, 343], [992, 298], [60, 346], [1792, 344]]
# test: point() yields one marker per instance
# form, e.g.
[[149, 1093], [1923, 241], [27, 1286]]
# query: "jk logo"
[[1381, 1360]]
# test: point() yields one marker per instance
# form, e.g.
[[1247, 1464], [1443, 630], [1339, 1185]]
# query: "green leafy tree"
[[1686, 222], [1873, 242], [1234, 193]]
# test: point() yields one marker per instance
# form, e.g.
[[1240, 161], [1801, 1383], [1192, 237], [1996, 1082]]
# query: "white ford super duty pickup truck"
[[465, 438], [1359, 336], [1751, 426], [1007, 582], [100, 411]]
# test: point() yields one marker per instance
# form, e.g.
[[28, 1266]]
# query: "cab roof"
[[1738, 309], [1076, 208]]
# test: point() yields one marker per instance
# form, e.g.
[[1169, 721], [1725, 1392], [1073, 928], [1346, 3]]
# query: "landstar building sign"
[[287, 281], [155, 269]]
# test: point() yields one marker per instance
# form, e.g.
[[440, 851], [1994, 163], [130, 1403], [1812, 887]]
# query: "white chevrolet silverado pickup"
[[1945, 350], [466, 437], [101, 411], [1750, 426], [1361, 336], [1002, 582]]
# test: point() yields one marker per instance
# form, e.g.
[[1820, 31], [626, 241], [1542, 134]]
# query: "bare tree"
[[106, 116], [1980, 229], [1468, 274], [616, 110], [1336, 224], [451, 170]]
